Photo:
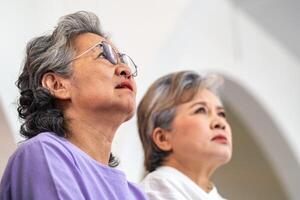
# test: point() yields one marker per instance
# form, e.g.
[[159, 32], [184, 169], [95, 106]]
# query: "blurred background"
[[254, 45]]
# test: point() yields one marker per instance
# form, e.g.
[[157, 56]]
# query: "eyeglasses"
[[112, 56]]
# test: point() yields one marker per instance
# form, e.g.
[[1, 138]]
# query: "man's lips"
[[125, 85], [220, 139]]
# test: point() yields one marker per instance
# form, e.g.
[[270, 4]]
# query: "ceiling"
[[279, 18]]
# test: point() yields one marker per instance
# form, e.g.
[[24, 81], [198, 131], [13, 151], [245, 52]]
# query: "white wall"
[[7, 142], [220, 37], [163, 36]]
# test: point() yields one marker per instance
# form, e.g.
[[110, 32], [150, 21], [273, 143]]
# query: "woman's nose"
[[123, 70], [218, 124]]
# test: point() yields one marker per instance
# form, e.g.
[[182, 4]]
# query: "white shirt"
[[167, 183]]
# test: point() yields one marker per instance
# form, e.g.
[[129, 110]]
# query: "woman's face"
[[200, 132], [97, 86]]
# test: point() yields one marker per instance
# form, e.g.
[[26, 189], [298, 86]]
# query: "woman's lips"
[[126, 85], [220, 139]]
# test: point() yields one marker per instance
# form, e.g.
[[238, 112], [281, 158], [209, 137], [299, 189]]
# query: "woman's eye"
[[101, 55], [201, 110], [222, 114]]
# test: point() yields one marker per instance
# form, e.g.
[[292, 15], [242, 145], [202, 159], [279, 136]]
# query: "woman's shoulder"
[[48, 139], [161, 177], [44, 145], [43, 137], [169, 183], [162, 173], [35, 159], [162, 184]]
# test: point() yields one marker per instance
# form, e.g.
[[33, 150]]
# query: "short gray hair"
[[158, 108]]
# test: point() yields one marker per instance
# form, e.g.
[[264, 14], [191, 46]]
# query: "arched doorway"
[[263, 165]]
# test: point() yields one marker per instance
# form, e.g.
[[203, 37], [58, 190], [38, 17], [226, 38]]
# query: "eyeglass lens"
[[109, 54], [112, 57]]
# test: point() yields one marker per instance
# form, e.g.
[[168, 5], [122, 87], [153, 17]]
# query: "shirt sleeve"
[[41, 170]]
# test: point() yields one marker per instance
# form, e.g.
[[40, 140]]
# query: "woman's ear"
[[162, 139], [57, 85]]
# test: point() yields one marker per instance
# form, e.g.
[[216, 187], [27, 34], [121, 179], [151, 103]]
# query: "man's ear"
[[57, 85], [162, 139]]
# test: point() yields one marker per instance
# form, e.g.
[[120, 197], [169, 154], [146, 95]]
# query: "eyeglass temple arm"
[[89, 49]]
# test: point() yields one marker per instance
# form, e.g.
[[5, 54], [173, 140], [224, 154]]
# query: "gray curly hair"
[[50, 52]]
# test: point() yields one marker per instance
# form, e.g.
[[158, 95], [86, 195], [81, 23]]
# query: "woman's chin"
[[223, 157], [226, 158], [130, 115], [129, 111]]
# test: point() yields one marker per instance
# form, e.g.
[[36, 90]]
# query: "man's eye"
[[222, 114], [201, 110]]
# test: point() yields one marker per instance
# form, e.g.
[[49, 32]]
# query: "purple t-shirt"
[[50, 167]]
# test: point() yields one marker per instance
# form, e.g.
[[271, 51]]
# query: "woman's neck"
[[200, 174], [93, 135]]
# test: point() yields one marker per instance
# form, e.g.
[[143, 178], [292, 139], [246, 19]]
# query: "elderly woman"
[[185, 135], [76, 90]]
